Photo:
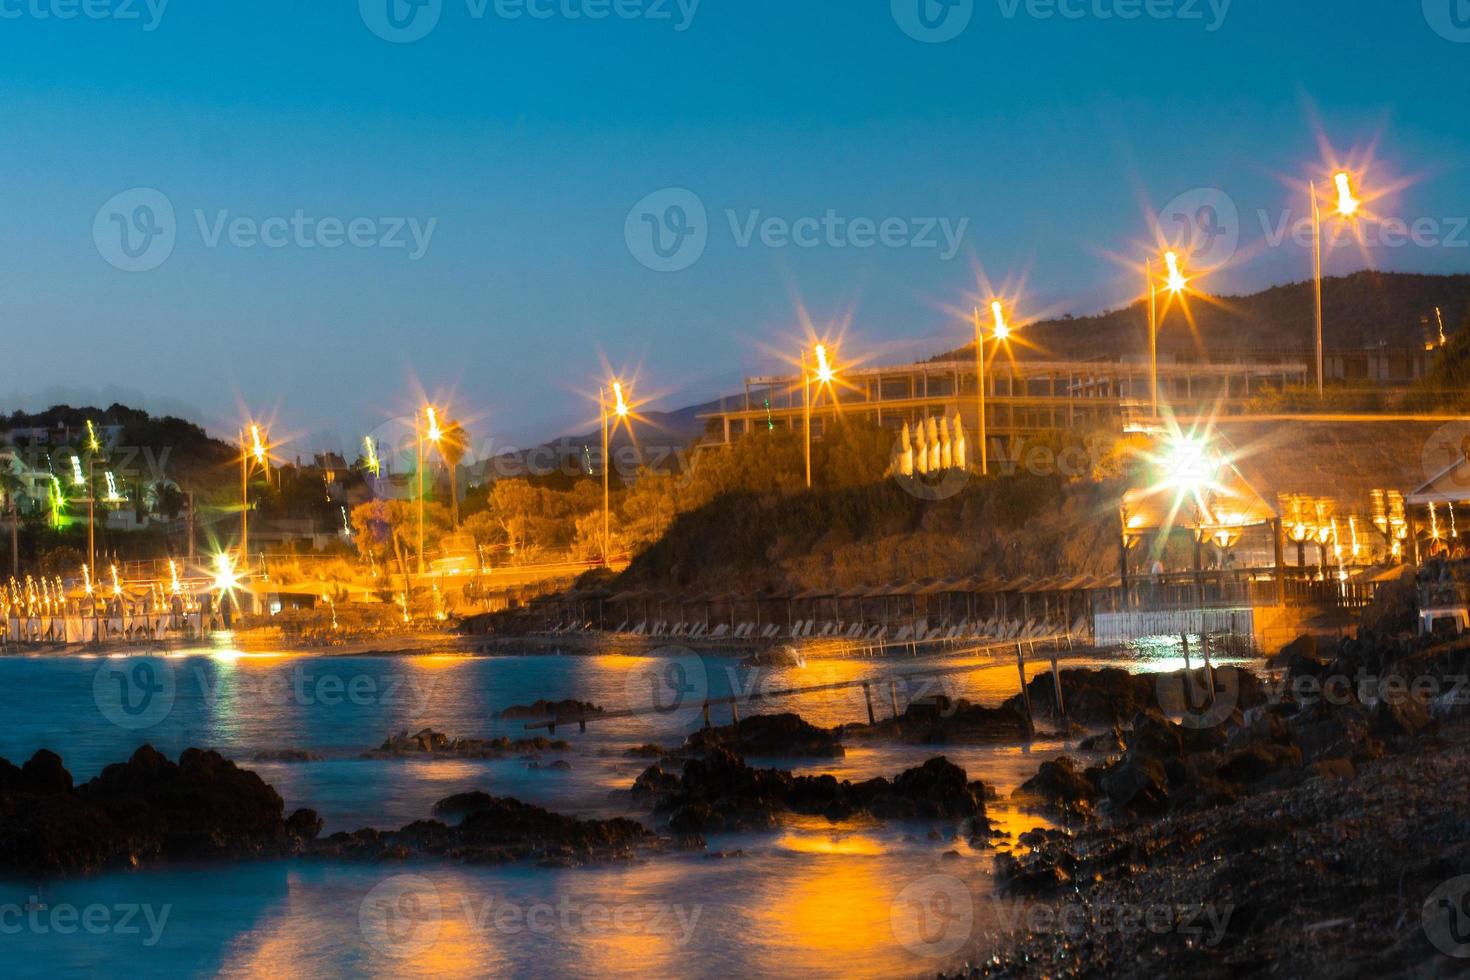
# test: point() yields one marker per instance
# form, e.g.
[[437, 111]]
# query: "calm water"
[[855, 899]]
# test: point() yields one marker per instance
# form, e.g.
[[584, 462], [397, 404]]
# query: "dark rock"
[[1058, 784], [429, 742], [460, 804], [1334, 769], [1110, 742], [141, 811], [653, 784], [781, 735], [44, 774], [568, 710], [1137, 784], [1401, 715], [720, 792], [649, 751], [304, 824], [1255, 762], [938, 720]]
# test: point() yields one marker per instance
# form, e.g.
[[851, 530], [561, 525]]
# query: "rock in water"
[[771, 735]]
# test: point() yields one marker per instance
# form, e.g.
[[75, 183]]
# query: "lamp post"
[[433, 434], [255, 448], [825, 373], [620, 410], [1176, 284], [1002, 330], [1347, 207], [92, 446]]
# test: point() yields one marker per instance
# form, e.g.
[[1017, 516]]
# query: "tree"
[[453, 444]]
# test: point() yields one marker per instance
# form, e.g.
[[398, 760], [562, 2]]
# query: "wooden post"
[[1204, 642], [1025, 694], [1278, 534], [735, 710], [1189, 672], [706, 716], [868, 697], [1056, 681], [893, 695]]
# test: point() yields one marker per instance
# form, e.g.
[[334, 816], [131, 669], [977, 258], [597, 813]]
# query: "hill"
[[1367, 309]]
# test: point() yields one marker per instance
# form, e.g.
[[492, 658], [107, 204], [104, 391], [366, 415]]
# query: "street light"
[[825, 374], [1001, 331], [1176, 283], [256, 449], [433, 434], [621, 410], [1347, 207], [92, 447]]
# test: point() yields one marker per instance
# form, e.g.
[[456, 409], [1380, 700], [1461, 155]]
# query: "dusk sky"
[[518, 146]]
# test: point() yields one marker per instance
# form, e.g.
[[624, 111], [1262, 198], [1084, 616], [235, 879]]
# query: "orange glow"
[[1347, 204]]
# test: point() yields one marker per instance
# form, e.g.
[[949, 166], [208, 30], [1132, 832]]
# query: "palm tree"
[[453, 443]]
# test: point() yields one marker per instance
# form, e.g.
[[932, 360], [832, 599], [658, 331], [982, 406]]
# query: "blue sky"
[[526, 142]]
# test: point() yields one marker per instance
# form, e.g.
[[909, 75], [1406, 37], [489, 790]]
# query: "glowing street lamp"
[[619, 411], [1001, 330], [1176, 282], [433, 433], [374, 465], [825, 374], [254, 448], [1348, 208], [93, 446]]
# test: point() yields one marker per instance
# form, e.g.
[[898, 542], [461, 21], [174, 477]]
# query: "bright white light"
[[1002, 329], [1177, 282], [1347, 204], [620, 406], [825, 374]]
